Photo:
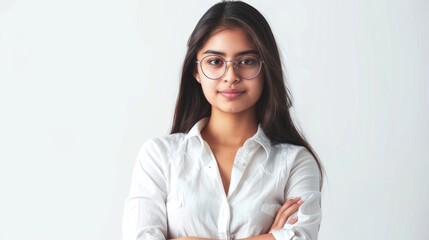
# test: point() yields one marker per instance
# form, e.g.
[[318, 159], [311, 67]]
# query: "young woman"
[[234, 165]]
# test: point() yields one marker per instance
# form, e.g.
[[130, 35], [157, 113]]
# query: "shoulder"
[[161, 148], [165, 142], [296, 156], [290, 151]]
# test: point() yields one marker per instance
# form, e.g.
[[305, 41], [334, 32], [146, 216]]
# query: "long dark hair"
[[273, 106]]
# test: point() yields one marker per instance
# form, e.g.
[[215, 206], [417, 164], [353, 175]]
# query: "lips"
[[231, 93]]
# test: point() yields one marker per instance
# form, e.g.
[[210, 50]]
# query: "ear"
[[197, 77]]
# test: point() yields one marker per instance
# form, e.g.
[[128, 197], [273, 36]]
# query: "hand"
[[290, 207]]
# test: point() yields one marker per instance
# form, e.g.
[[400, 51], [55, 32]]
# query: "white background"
[[84, 83]]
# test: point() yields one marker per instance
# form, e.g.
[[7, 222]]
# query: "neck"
[[230, 129]]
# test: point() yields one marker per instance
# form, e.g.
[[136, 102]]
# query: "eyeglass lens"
[[247, 67]]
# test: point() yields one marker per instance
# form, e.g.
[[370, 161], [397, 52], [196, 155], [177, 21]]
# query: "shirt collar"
[[195, 131], [259, 137]]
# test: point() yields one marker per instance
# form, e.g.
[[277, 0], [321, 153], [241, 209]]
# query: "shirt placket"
[[224, 220], [240, 163], [224, 211]]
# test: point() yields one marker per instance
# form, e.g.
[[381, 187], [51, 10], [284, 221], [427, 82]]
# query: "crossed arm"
[[290, 207], [147, 190]]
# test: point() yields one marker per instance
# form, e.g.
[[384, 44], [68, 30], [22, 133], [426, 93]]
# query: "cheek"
[[209, 89], [258, 88]]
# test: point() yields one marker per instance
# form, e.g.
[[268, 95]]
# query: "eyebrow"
[[237, 54]]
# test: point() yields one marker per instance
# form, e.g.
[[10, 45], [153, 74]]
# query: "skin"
[[233, 116], [233, 119]]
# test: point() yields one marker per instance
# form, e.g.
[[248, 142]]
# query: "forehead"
[[228, 41]]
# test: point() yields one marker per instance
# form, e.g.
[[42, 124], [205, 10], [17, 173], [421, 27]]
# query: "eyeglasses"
[[246, 67]]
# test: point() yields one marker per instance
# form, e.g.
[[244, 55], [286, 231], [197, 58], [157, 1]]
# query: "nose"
[[231, 73]]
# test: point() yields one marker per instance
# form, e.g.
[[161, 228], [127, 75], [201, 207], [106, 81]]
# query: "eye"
[[248, 61], [216, 61]]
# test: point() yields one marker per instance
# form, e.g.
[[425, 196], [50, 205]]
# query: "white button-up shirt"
[[177, 190]]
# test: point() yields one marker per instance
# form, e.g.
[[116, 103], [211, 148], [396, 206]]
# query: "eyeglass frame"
[[235, 62]]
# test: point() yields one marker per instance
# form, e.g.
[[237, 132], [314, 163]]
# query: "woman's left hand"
[[290, 207]]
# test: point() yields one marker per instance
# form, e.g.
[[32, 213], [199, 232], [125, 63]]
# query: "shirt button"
[[222, 236], [246, 152], [251, 144]]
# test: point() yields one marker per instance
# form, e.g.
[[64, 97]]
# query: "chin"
[[236, 110]]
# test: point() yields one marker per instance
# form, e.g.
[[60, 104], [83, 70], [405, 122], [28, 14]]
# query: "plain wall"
[[84, 83]]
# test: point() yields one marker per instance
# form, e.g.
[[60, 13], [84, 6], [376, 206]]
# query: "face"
[[230, 93]]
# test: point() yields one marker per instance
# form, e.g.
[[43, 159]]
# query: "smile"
[[231, 94]]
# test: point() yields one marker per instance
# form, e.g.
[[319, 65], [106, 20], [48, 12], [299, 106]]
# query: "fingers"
[[289, 212], [293, 220], [290, 207], [289, 203]]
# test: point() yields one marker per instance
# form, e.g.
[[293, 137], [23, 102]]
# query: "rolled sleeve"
[[304, 182], [145, 211]]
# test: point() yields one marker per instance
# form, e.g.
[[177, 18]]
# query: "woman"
[[234, 165]]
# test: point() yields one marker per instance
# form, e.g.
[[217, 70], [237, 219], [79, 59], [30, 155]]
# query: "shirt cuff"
[[286, 234], [151, 234]]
